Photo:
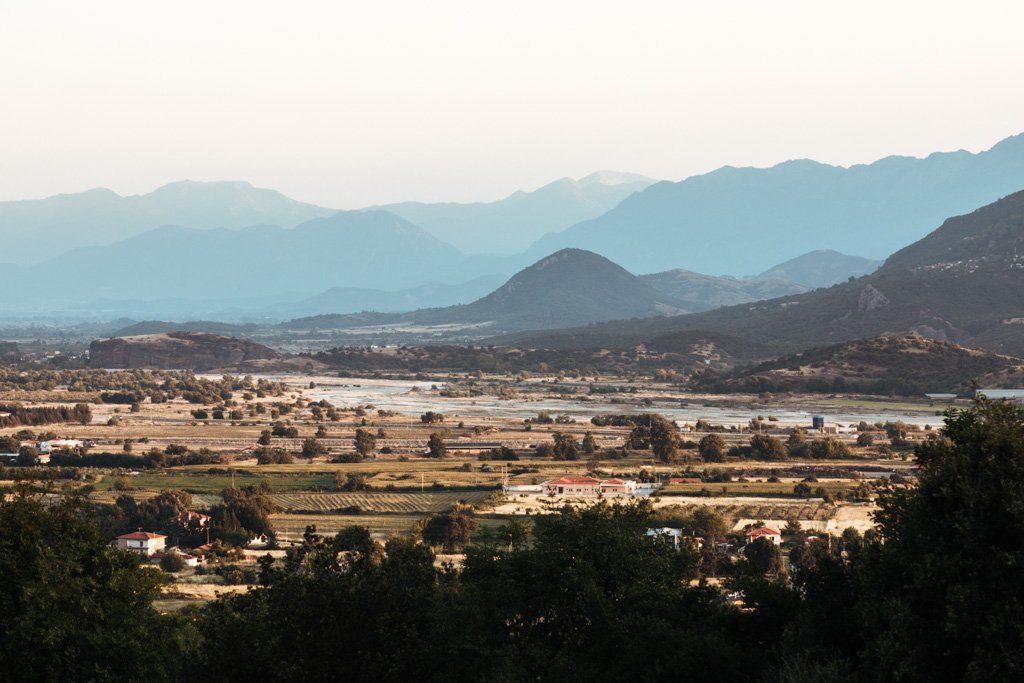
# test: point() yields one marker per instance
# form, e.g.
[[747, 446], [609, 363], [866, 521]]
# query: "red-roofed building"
[[589, 486], [764, 532], [141, 542]]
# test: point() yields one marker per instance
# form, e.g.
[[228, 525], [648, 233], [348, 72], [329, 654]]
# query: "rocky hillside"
[[177, 350]]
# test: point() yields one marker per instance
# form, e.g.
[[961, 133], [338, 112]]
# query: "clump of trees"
[[15, 415], [364, 442], [654, 432]]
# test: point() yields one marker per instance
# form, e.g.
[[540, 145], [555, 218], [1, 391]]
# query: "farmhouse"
[[589, 486], [141, 542], [764, 532]]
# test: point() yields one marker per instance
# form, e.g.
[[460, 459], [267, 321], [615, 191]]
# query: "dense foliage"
[[132, 386], [936, 593], [74, 608], [20, 416]]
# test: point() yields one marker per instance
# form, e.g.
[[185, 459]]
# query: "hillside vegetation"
[[901, 365]]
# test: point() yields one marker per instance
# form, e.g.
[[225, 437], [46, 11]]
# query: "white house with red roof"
[[589, 487], [141, 542], [764, 532]]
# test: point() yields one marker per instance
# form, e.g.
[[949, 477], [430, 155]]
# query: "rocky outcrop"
[[871, 299], [177, 350]]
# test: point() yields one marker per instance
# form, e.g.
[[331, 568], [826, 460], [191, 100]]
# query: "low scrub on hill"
[[882, 365]]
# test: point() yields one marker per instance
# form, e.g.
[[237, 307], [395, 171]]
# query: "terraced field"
[[290, 527], [376, 502]]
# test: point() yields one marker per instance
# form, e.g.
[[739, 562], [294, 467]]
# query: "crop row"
[[376, 502]]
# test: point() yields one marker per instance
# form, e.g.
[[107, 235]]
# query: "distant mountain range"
[[375, 248], [230, 251], [38, 229], [744, 220], [964, 283], [570, 285], [510, 225]]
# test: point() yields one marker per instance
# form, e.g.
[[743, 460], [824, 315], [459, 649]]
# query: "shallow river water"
[[413, 397]]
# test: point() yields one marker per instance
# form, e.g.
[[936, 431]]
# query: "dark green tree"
[[75, 608], [449, 531], [436, 447], [943, 590], [712, 448], [364, 442], [564, 446]]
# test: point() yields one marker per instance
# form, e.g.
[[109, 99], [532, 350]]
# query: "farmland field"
[[201, 481], [377, 502], [290, 527]]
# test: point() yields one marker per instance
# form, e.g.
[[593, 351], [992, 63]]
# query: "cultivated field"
[[403, 503]]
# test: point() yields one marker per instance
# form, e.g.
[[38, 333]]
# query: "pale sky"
[[352, 103]]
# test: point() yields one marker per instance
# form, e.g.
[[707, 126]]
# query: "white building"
[[141, 542]]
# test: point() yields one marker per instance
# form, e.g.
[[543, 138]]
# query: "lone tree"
[[712, 448], [565, 447], [589, 445], [664, 438], [765, 555], [515, 533], [436, 447], [430, 417], [764, 447], [450, 531], [364, 442], [312, 448]]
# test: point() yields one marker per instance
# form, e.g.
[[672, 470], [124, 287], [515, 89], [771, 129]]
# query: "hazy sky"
[[351, 103]]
